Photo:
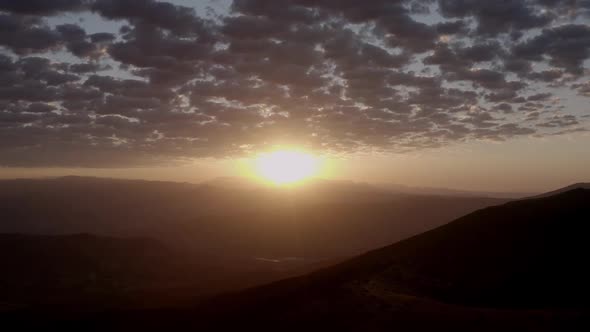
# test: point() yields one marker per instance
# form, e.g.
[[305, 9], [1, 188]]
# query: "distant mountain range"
[[515, 267], [450, 192], [219, 237], [241, 183], [321, 220], [519, 256]]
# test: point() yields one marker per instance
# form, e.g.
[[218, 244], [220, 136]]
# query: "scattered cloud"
[[340, 76]]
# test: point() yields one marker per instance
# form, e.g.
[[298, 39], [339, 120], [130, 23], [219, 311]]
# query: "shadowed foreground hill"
[[525, 261], [82, 272], [527, 253]]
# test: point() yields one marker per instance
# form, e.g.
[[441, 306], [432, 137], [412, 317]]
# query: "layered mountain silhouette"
[[518, 266], [322, 220], [84, 272], [522, 254], [197, 240], [84, 269]]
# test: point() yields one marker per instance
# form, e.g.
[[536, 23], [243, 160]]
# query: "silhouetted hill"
[[526, 253], [83, 272], [526, 259], [515, 267], [580, 185]]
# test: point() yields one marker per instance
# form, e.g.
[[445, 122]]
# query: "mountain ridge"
[[578, 185], [512, 267], [368, 278]]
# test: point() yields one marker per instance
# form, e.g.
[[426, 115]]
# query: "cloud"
[[582, 88], [24, 34], [494, 17], [41, 7], [338, 76], [567, 46]]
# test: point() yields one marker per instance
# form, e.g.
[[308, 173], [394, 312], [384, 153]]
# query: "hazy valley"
[[524, 259]]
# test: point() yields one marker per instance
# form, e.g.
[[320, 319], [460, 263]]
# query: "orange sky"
[[520, 165], [486, 102]]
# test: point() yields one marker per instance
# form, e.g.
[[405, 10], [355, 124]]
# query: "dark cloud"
[[552, 75], [519, 66], [494, 17], [481, 52], [42, 7], [23, 34], [452, 27], [40, 108], [102, 37], [567, 46], [582, 88], [504, 107], [540, 96], [178, 19], [560, 121], [332, 75]]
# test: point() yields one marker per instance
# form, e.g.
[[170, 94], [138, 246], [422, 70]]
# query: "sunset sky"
[[475, 95]]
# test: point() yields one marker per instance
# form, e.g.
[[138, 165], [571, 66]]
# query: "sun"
[[286, 167]]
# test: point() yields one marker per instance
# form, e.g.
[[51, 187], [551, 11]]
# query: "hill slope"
[[83, 272], [580, 185], [526, 259], [522, 254]]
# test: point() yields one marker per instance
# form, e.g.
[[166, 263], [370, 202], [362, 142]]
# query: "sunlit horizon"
[[286, 166]]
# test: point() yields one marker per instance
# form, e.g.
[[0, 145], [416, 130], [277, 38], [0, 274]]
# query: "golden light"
[[285, 167]]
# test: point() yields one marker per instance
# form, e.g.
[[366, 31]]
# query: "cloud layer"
[[172, 84]]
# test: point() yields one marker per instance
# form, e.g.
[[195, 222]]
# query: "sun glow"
[[286, 167]]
